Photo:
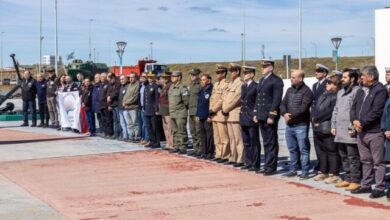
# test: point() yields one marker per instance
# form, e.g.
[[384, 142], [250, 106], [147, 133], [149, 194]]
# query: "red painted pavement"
[[159, 185]]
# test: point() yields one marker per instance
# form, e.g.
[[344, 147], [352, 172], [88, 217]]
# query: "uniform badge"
[[151, 89], [185, 92], [207, 96], [123, 91]]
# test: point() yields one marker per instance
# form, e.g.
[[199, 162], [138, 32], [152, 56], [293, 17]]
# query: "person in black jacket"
[[112, 99], [295, 109], [86, 102], [250, 130], [318, 89], [107, 126], [203, 115], [51, 93], [153, 119], [70, 85], [42, 101], [329, 158], [267, 114], [366, 113], [29, 92]]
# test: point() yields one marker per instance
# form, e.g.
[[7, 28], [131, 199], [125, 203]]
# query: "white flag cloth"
[[69, 109]]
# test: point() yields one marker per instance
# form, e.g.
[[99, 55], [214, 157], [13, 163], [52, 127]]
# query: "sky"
[[184, 31]]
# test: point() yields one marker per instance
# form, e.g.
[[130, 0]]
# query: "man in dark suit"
[[318, 88], [153, 118], [267, 114], [250, 131]]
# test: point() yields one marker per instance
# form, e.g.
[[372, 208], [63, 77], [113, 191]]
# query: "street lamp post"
[[90, 39], [40, 37], [121, 49], [336, 41]]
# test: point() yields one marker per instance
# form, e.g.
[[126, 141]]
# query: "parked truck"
[[144, 65]]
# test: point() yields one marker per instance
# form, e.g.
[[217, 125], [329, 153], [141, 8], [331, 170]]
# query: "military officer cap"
[[267, 62], [151, 74], [322, 68], [387, 69], [249, 69], [177, 73], [220, 68], [234, 67], [195, 72], [166, 74], [50, 70], [337, 73]]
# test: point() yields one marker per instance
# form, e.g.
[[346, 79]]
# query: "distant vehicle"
[[6, 81], [144, 65], [88, 69]]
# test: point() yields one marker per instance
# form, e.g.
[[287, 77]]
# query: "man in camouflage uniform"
[[192, 109], [178, 96]]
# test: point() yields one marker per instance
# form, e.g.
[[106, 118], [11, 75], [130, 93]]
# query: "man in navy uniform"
[[250, 130], [153, 118], [319, 87], [267, 114]]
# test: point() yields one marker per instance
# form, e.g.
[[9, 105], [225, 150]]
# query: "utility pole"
[[56, 40], [40, 38], [300, 34], [151, 50], [263, 51]]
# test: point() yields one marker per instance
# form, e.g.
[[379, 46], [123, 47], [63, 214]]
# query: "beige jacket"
[[232, 100], [219, 90]]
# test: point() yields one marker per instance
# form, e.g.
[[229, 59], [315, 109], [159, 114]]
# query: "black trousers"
[[206, 137], [328, 154], [44, 113], [269, 134], [107, 122], [350, 160], [251, 141], [317, 151], [153, 124]]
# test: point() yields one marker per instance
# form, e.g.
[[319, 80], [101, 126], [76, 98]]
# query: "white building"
[[49, 60]]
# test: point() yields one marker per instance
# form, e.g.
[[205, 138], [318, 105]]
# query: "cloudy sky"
[[187, 31]]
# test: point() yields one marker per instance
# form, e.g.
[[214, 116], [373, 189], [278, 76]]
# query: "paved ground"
[[45, 174]]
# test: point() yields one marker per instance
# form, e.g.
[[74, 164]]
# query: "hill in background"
[[308, 65]]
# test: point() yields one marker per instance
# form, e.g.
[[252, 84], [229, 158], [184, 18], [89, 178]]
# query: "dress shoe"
[[229, 163], [155, 146], [24, 125], [304, 176], [253, 169], [342, 184], [142, 142], [174, 151], [352, 186], [33, 125], [216, 159], [260, 171], [238, 165], [222, 161], [362, 190], [149, 145], [191, 153], [182, 152], [388, 195], [246, 167], [269, 172], [146, 143], [377, 194], [290, 174], [41, 125], [209, 157]]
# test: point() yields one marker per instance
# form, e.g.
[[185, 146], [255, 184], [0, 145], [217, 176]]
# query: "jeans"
[[144, 132], [122, 119], [132, 121], [33, 109], [297, 139], [90, 116], [117, 127]]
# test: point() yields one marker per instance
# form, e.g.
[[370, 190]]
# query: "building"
[[382, 44], [49, 60]]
